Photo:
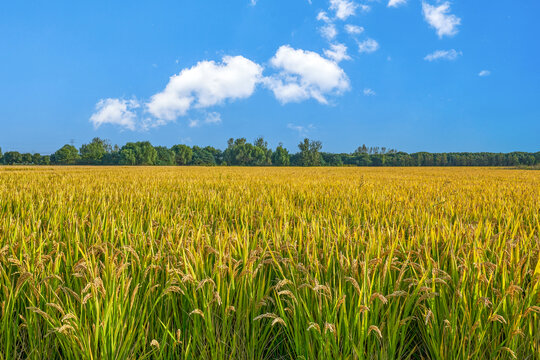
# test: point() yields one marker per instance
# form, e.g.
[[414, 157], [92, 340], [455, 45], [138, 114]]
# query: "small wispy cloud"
[[343, 8], [302, 130], [369, 92], [368, 46], [396, 3], [354, 29], [211, 118], [484, 73], [337, 52], [329, 31], [323, 16], [364, 7], [443, 55]]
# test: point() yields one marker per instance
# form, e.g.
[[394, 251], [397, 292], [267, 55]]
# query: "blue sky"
[[413, 75]]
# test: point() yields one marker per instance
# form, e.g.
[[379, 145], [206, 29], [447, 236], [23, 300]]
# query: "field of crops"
[[269, 263]]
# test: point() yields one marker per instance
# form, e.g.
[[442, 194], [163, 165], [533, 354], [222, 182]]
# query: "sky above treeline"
[[414, 75]]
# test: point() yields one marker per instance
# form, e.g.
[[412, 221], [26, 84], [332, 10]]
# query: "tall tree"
[[263, 155], [128, 157], [66, 155], [165, 156], [202, 157], [182, 154], [27, 158], [12, 158], [144, 152], [309, 152], [36, 159], [94, 152], [281, 156]]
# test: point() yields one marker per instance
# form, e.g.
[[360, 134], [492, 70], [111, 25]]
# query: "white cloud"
[[396, 3], [116, 112], [337, 52], [443, 55], [440, 19], [365, 8], [211, 118], [343, 8], [368, 46], [484, 73], [354, 29], [302, 130], [305, 74], [206, 84], [323, 16], [329, 31], [369, 92]]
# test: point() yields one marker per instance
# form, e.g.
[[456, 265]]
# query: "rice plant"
[[269, 263]]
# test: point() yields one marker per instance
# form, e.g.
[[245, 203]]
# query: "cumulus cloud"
[[116, 112], [396, 3], [369, 92], [368, 46], [439, 17], [443, 55], [343, 8], [337, 52], [354, 29], [305, 74], [484, 73], [298, 75], [206, 84], [329, 31]]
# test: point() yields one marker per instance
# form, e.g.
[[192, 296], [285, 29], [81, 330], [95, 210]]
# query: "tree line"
[[240, 152]]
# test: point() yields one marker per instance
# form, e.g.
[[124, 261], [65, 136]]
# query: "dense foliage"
[[240, 152], [269, 263]]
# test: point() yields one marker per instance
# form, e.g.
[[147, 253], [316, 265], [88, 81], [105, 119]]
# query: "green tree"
[[202, 157], [165, 157], [333, 160], [45, 160], [36, 159], [377, 160], [145, 153], [240, 152], [94, 152], [262, 154], [12, 158], [309, 153], [27, 158], [363, 159], [216, 153], [182, 154], [128, 157], [112, 157], [281, 156], [67, 155], [361, 150]]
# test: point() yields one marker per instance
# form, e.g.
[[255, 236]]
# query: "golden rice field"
[[269, 263]]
